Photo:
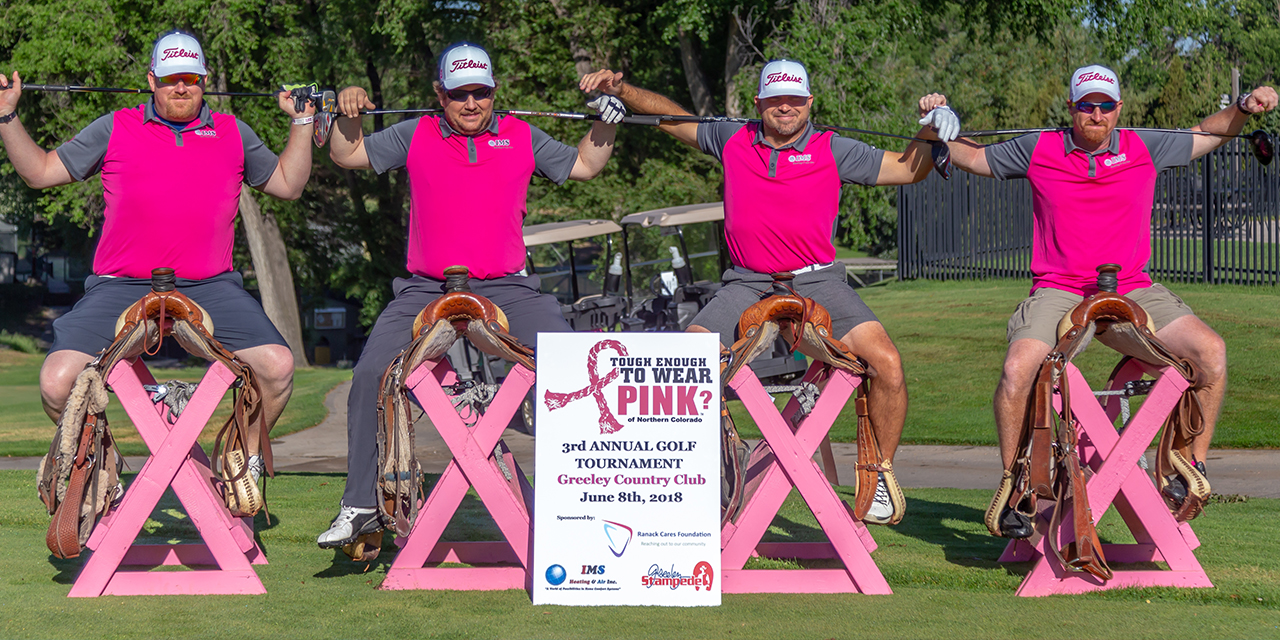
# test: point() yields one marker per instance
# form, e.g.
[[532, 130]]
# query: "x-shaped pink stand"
[[1120, 481], [850, 542], [178, 461], [510, 502]]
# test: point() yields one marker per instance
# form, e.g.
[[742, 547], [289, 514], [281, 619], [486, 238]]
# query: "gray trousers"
[[529, 312]]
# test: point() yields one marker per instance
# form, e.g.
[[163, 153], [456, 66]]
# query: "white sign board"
[[627, 496]]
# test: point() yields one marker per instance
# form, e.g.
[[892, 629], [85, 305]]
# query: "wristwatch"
[[9, 118], [1240, 104], [306, 120]]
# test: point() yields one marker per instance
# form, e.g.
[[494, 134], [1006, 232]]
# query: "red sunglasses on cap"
[[189, 79]]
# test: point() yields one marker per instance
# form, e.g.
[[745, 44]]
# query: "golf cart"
[[565, 255], [667, 292]]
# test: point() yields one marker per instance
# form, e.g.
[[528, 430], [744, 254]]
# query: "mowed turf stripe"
[[940, 563]]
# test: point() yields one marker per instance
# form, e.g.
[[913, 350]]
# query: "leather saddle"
[[459, 313], [805, 325], [83, 426], [1048, 463]]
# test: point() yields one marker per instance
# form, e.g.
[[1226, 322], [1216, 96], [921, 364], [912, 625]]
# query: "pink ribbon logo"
[[595, 387]]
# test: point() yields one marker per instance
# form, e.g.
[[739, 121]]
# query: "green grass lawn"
[[26, 431], [940, 563], [952, 339], [951, 335]]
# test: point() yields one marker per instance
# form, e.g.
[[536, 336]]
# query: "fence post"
[[1209, 219]]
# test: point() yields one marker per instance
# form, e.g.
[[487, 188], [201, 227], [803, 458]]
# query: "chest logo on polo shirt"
[[499, 143], [206, 133], [1115, 160], [801, 158]]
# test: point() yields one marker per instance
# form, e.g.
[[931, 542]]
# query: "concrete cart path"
[[323, 449]]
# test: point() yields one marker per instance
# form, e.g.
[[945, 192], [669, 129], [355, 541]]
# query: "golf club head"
[[326, 103], [941, 158], [1260, 143]]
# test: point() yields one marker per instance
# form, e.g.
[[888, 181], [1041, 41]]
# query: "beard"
[[787, 129], [1096, 136], [179, 110]]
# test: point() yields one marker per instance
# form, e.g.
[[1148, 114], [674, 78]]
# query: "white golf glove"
[[612, 110], [945, 121]]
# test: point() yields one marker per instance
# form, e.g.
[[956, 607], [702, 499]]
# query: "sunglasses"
[[461, 95], [189, 79], [1088, 107]]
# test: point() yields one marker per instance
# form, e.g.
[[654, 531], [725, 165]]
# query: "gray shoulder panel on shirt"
[[1012, 158], [552, 159], [83, 154], [259, 161], [857, 161], [1168, 149], [713, 136], [389, 149]]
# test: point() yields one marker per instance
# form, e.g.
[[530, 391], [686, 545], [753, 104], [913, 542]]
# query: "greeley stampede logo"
[[703, 576], [595, 387]]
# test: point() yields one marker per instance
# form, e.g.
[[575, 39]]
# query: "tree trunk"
[[582, 63], [737, 53], [698, 90], [275, 280]]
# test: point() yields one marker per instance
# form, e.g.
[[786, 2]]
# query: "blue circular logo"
[[556, 574]]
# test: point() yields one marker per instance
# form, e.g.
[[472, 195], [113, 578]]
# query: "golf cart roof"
[[672, 216], [569, 230]]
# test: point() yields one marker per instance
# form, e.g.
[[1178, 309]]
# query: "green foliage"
[[19, 342], [1001, 64]]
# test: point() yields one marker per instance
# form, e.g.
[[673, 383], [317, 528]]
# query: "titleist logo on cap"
[[467, 63], [781, 77], [1094, 75], [178, 52]]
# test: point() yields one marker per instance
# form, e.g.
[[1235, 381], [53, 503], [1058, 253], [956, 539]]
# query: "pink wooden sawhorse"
[[1120, 481], [850, 542], [178, 461], [510, 502]]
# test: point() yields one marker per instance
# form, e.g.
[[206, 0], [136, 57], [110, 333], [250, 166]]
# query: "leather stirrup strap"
[[868, 469], [63, 537]]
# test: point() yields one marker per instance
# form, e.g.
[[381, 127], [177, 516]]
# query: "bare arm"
[[1230, 121], [294, 167], [593, 151], [347, 147], [38, 168], [643, 101], [910, 166], [914, 163], [970, 156]]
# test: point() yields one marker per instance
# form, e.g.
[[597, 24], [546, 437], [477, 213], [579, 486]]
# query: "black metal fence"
[[1216, 220]]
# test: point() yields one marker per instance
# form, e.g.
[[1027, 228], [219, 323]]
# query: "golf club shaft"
[[1012, 132], [651, 120], [71, 88]]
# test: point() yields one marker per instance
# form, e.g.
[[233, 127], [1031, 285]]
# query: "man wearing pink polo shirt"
[[782, 180], [1092, 189], [468, 177], [172, 170]]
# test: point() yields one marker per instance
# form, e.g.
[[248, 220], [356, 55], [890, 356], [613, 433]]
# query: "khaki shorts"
[[1038, 316]]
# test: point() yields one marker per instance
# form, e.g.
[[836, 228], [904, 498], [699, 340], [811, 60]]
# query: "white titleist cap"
[[177, 52], [783, 78], [465, 63], [1094, 78]]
